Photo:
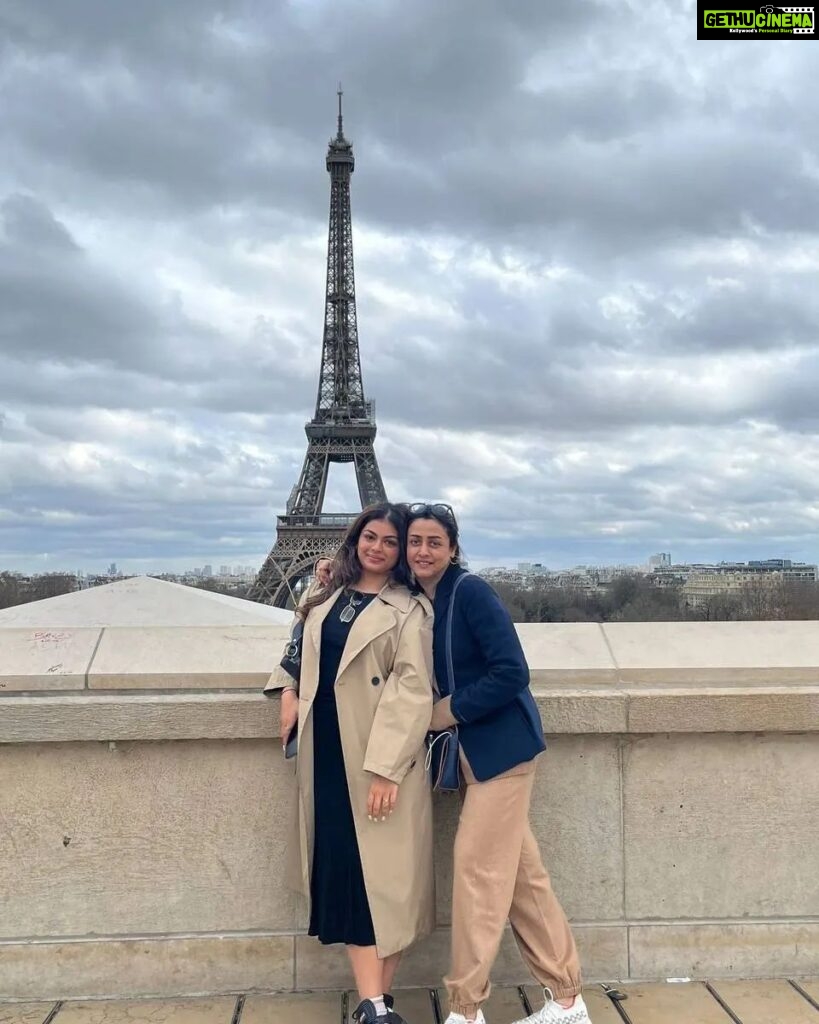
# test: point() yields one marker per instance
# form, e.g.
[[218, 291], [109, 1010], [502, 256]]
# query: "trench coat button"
[[375, 680]]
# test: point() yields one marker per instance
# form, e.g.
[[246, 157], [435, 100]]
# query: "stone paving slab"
[[601, 1009], [317, 1008], [752, 1002], [25, 1013], [503, 1006], [811, 986], [766, 1002], [413, 1004], [149, 1011], [661, 1003]]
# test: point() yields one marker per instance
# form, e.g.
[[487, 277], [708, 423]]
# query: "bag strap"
[[449, 666]]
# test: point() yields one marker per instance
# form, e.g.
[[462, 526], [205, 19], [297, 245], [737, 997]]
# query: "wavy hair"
[[346, 571]]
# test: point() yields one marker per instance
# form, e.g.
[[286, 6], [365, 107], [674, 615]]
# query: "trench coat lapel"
[[315, 620], [377, 619], [373, 621], [308, 682]]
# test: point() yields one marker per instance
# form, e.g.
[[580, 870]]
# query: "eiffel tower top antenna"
[[340, 135]]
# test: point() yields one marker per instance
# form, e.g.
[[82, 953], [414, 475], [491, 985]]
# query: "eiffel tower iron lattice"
[[343, 427]]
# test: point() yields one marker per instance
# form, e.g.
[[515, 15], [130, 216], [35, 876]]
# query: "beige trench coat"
[[384, 701]]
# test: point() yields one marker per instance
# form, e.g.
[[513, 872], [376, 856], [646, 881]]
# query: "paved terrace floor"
[[717, 1002]]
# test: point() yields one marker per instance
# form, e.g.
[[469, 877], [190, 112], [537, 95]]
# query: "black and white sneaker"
[[366, 1013], [394, 1018]]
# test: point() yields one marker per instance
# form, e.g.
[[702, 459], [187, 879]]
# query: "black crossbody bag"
[[443, 748]]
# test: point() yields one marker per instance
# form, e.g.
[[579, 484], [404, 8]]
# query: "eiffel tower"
[[343, 427]]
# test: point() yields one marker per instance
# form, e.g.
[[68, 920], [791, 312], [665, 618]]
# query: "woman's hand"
[[442, 717], [289, 714], [382, 798]]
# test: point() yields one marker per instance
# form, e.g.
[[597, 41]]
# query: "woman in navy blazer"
[[498, 872]]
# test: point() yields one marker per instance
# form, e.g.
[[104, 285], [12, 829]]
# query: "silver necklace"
[[348, 613]]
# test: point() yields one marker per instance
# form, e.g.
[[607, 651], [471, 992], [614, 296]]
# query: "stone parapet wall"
[[143, 809]]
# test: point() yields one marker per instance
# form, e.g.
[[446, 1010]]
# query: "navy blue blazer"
[[499, 724]]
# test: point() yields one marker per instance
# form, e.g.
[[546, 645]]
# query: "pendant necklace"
[[348, 613]]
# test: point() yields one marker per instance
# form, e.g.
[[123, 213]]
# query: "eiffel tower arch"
[[343, 426]]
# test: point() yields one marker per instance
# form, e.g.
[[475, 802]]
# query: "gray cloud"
[[585, 267]]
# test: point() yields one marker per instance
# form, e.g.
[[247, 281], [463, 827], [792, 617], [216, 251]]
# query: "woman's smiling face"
[[378, 547], [429, 550]]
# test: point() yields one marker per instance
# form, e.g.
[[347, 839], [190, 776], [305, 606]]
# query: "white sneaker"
[[554, 1013], [458, 1018]]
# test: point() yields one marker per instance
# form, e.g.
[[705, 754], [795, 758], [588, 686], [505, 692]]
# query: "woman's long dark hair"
[[346, 570]]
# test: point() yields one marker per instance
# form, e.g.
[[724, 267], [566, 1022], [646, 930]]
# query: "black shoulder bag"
[[443, 748]]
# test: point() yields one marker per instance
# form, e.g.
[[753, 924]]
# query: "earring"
[[453, 561]]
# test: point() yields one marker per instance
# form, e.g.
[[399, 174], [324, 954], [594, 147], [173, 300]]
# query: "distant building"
[[662, 558], [704, 582], [207, 570]]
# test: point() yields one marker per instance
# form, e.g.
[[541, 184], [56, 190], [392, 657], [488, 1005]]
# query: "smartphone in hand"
[[292, 745]]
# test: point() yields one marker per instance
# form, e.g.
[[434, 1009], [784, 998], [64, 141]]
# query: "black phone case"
[[292, 745]]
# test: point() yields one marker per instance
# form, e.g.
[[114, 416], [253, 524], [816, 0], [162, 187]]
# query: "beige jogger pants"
[[499, 874]]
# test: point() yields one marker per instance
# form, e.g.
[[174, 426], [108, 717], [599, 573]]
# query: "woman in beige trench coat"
[[380, 692]]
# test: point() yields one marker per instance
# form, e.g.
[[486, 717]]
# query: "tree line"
[[629, 598], [636, 598], [18, 589]]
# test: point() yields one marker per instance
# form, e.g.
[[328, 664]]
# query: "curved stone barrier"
[[143, 808]]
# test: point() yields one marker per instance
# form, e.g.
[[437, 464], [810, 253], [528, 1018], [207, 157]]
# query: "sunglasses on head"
[[422, 508]]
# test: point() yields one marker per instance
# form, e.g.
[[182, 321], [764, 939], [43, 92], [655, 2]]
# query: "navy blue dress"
[[340, 909]]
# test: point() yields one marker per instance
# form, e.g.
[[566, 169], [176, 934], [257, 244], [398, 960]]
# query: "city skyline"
[[585, 268], [217, 569]]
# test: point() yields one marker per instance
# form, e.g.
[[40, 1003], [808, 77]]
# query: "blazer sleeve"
[[492, 630], [404, 710], [280, 677]]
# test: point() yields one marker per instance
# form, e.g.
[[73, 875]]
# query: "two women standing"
[[363, 706]]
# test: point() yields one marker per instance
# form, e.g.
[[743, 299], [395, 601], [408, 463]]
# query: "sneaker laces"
[[553, 1013]]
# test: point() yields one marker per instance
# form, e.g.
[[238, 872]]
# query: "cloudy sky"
[[586, 248]]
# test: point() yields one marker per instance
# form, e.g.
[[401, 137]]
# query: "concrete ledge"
[[760, 708], [573, 652], [603, 950], [176, 716], [183, 656], [45, 659], [216, 964], [178, 966], [760, 949], [715, 653], [580, 656]]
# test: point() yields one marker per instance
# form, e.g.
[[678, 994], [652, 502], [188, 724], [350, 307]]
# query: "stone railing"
[[143, 808]]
